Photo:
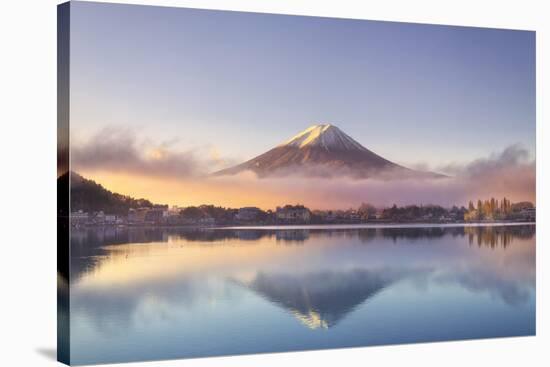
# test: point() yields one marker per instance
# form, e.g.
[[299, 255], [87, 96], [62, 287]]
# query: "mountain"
[[89, 196], [323, 150]]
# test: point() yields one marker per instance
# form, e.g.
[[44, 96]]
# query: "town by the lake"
[[487, 211]]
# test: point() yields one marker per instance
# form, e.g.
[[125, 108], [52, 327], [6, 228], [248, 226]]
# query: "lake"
[[152, 293]]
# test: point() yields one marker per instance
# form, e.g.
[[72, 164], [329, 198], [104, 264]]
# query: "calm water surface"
[[141, 294]]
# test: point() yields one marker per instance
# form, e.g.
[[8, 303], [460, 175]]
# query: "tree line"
[[494, 209]]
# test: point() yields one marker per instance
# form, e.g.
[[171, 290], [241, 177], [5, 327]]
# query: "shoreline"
[[379, 225], [316, 226]]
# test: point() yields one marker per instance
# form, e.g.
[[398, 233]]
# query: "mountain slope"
[[323, 150], [88, 196]]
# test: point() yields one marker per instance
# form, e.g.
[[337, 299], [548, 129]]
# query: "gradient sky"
[[243, 82]]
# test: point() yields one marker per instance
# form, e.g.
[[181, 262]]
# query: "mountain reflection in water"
[[320, 300], [147, 293]]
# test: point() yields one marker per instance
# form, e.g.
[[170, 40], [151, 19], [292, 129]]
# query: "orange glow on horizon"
[[188, 192], [326, 194]]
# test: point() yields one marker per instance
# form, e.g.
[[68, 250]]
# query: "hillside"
[[89, 196]]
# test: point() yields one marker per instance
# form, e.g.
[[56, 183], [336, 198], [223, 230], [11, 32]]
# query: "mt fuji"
[[324, 150]]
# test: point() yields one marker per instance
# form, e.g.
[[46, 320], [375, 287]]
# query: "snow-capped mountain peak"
[[322, 150], [323, 135]]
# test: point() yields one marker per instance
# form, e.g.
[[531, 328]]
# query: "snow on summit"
[[323, 135]]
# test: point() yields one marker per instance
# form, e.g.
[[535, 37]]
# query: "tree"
[[366, 210], [479, 209], [487, 210], [505, 206], [192, 212]]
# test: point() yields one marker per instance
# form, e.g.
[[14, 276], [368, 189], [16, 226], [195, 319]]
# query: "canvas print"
[[233, 183]]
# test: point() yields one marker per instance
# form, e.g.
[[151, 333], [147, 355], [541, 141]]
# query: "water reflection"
[[324, 287], [320, 300], [498, 236], [89, 244]]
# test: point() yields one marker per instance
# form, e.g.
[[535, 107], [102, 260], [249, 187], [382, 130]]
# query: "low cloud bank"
[[514, 156], [119, 150], [346, 193], [509, 173]]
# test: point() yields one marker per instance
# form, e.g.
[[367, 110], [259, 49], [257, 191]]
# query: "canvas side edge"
[[63, 184]]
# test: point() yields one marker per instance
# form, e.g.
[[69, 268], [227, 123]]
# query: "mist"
[[162, 173], [509, 174]]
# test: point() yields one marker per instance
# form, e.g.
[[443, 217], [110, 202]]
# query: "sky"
[[227, 86]]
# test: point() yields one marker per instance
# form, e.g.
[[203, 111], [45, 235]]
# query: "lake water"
[[143, 294]]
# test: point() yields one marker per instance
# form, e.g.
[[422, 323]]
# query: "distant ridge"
[[89, 196], [324, 150]]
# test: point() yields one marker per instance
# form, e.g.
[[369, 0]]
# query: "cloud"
[[162, 173], [513, 157], [509, 173], [514, 292], [118, 150]]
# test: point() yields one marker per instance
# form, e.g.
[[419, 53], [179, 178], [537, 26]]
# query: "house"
[[80, 217], [207, 221], [137, 215], [99, 217], [528, 214], [174, 211], [154, 215], [293, 214], [110, 219]]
